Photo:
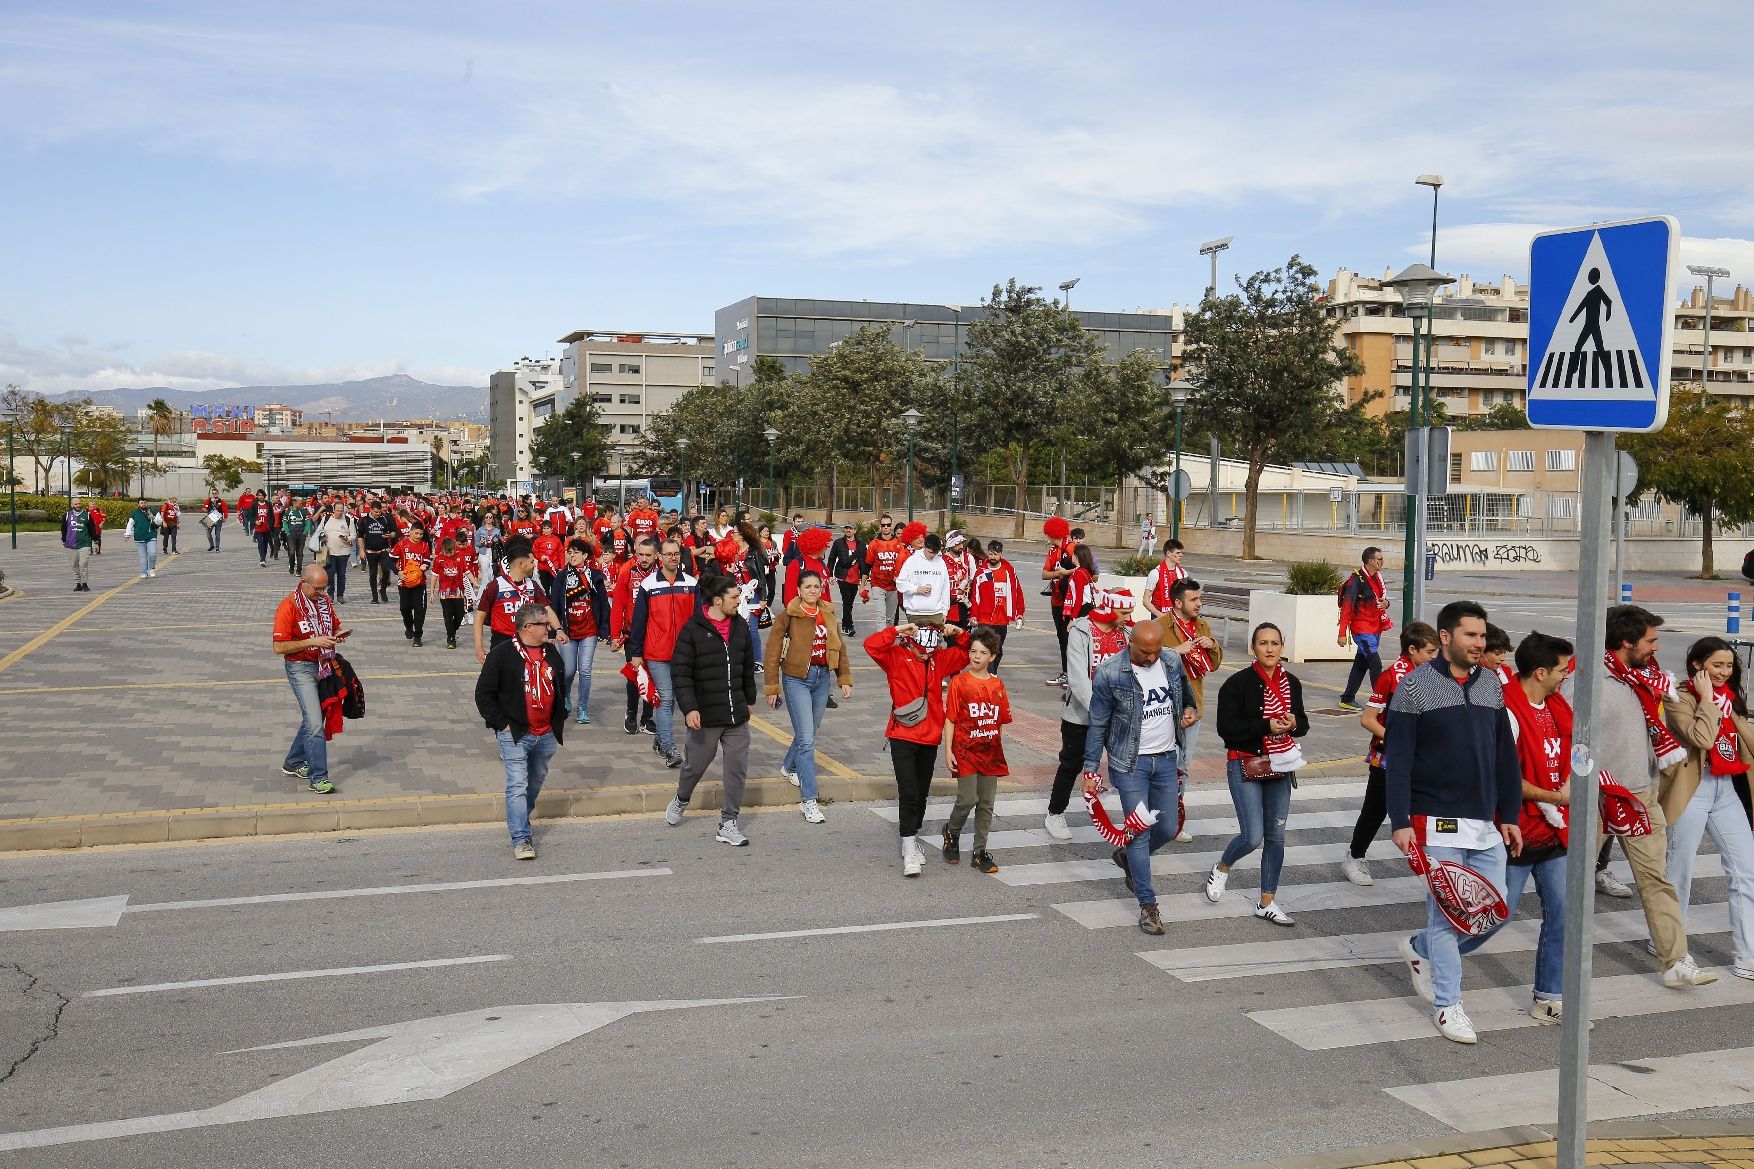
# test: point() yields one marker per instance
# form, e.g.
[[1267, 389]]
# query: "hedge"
[[54, 509]]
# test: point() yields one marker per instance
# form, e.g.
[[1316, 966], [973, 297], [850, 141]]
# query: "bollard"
[[1733, 623], [1625, 593]]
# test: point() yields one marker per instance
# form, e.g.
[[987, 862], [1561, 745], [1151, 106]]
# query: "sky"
[[203, 194]]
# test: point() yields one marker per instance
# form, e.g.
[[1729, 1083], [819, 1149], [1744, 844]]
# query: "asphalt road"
[[1049, 1039]]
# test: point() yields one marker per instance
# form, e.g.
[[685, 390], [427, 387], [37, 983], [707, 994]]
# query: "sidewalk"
[[1719, 1144]]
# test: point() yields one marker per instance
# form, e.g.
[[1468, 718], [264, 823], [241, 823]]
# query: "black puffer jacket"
[[711, 677]]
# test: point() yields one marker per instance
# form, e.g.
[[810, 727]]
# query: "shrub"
[[1136, 566], [1312, 578]]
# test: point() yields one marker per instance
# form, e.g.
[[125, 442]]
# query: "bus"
[[621, 492]]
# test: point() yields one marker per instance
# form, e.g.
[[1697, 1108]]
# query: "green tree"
[[848, 407], [1028, 356], [1265, 366], [573, 445], [1703, 459], [161, 420], [223, 473], [40, 427], [1504, 416], [472, 472], [723, 426], [103, 443]]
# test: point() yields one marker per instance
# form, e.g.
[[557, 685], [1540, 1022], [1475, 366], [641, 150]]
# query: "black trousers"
[[377, 574], [914, 764], [635, 708], [1060, 632], [1070, 768], [848, 592], [413, 607], [261, 545], [1373, 813], [454, 610], [169, 538]]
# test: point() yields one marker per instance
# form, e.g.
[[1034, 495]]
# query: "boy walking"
[[975, 708]]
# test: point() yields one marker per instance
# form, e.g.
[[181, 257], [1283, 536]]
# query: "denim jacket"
[[1117, 707]]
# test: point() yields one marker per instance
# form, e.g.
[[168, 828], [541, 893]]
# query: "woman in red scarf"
[[1709, 715]]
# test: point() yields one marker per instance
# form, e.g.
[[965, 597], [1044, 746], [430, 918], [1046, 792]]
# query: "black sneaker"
[[376, 601], [450, 643], [982, 862], [1119, 856], [629, 725], [952, 853], [409, 634], [648, 727], [832, 704], [417, 641], [673, 760]]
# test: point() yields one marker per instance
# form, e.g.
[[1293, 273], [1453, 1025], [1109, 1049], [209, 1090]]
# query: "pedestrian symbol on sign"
[[1593, 361]]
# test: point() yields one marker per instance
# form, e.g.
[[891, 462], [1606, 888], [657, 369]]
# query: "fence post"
[[1733, 622]]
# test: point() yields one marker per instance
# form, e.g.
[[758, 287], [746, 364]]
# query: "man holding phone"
[[306, 632]]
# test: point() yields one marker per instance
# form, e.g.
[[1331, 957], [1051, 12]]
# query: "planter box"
[[1308, 623]]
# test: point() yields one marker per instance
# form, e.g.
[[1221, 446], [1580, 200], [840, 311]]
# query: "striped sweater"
[[1449, 748]]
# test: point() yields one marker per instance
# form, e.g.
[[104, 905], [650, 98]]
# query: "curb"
[[1536, 1145], [45, 833]]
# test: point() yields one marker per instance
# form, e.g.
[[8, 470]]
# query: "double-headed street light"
[[912, 417], [682, 445], [1418, 285], [1710, 274], [1179, 390], [772, 436], [1211, 248]]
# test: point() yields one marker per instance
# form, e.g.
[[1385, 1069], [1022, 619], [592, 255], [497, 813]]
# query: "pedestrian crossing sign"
[[1600, 325]]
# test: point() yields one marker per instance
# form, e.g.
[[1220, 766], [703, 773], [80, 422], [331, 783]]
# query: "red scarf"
[[1275, 704], [1197, 661], [1650, 685], [319, 617], [1725, 757], [1531, 749], [538, 677]]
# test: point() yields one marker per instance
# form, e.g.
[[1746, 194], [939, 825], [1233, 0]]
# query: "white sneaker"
[[791, 776], [1613, 886], [911, 860], [143, 576], [1056, 826], [154, 572], [729, 833], [673, 812], [1356, 870], [1184, 837], [1686, 972], [1418, 969], [1744, 968], [812, 812], [1215, 882], [1454, 1025], [1271, 912], [1547, 1011]]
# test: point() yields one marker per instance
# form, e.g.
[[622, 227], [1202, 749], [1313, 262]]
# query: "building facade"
[[520, 399], [632, 376], [796, 332], [279, 418]]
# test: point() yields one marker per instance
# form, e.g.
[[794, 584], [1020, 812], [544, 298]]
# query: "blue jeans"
[[806, 699], [664, 714], [337, 566], [1715, 809], [526, 766], [1261, 808], [1549, 878], [577, 654], [308, 745], [148, 554], [1440, 943], [1155, 780], [754, 620], [1367, 661], [213, 536]]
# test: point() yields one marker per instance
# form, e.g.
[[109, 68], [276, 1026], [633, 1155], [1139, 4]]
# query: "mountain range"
[[395, 397]]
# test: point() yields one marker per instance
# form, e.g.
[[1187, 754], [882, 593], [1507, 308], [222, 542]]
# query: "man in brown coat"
[[1187, 633]]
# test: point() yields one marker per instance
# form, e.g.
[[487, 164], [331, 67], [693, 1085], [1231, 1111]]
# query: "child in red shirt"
[[549, 548], [975, 707], [451, 571]]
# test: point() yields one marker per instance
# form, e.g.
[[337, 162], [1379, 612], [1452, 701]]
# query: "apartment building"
[[1482, 332], [520, 399], [279, 418], [632, 376]]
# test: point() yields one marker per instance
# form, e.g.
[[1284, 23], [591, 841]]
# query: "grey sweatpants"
[[698, 749], [81, 559]]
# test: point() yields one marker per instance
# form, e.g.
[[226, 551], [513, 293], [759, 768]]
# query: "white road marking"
[[290, 975], [1162, 864], [1500, 1008], [1637, 1087], [87, 913], [1250, 959], [420, 1059], [1086, 834], [1200, 797], [865, 929]]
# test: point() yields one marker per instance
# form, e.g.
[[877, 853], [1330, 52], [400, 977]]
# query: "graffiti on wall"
[[1468, 554]]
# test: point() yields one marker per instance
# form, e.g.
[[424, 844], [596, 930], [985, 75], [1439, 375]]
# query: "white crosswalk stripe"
[[1199, 797], [1086, 834]]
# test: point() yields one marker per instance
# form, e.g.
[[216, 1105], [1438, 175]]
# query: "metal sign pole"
[[1580, 861]]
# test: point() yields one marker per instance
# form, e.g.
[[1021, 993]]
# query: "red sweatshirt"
[[910, 677]]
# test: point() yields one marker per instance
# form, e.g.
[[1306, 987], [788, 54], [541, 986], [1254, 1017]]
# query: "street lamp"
[[772, 436], [12, 475], [1212, 248], [1434, 182], [682, 444], [1179, 390], [1710, 274], [912, 417], [1066, 286], [955, 399], [1418, 285]]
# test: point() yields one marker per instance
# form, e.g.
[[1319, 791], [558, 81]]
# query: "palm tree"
[[160, 419]]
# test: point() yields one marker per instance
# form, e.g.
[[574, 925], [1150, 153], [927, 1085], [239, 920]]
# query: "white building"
[[632, 376], [519, 400]]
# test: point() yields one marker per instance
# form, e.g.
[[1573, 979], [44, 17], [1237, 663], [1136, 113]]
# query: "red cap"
[[1112, 605]]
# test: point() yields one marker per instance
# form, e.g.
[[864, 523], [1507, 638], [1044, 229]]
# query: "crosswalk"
[[1317, 830]]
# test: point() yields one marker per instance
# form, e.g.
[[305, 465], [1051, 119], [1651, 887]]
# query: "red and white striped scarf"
[[1276, 704], [1197, 661], [318, 616], [1650, 684]]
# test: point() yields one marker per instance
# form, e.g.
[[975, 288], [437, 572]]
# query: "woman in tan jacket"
[[804, 649], [1709, 715]]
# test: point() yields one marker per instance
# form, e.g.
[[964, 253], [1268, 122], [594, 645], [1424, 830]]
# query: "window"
[[629, 399], [1487, 397], [1488, 347], [626, 368], [1519, 460], [1564, 507], [1483, 461], [602, 399], [602, 367], [1562, 460], [706, 371], [542, 408], [1455, 468], [1510, 348], [625, 428]]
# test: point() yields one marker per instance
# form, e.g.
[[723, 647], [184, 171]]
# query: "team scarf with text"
[[1650, 684], [1726, 751], [318, 615], [1197, 661]]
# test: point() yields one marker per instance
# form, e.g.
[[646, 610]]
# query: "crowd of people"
[[1469, 757]]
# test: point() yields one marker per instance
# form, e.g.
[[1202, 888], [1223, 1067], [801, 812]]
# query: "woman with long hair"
[[1709, 715], [805, 658], [1080, 585]]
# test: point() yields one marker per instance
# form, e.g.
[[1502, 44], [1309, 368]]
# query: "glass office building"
[[794, 332]]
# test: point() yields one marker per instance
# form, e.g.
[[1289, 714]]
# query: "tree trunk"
[[1251, 505], [876, 490], [785, 500], [1707, 567], [833, 485], [1020, 473]]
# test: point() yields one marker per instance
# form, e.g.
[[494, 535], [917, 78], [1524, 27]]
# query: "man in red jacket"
[[916, 666], [996, 595], [1364, 617], [662, 603], [627, 577]]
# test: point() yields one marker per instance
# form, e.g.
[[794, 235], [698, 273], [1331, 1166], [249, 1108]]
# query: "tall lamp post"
[[1434, 182], [1212, 248], [1418, 285], [912, 417], [1179, 390], [12, 476], [1710, 274], [772, 437], [682, 444], [1066, 286]]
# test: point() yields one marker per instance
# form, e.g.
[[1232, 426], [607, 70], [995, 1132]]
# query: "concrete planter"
[[1307, 622]]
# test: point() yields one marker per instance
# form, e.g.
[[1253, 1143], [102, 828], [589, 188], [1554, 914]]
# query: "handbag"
[[315, 542], [1258, 767], [911, 714]]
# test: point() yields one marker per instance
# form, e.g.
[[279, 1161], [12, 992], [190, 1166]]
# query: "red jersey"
[[550, 552], [883, 560], [520, 528], [1078, 589], [538, 688], [503, 597], [450, 571], [621, 599], [601, 529], [959, 567], [581, 622], [977, 707], [1380, 694], [642, 522], [412, 558], [1105, 644]]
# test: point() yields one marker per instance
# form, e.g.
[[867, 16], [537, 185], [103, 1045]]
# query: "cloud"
[[1492, 249], [75, 364]]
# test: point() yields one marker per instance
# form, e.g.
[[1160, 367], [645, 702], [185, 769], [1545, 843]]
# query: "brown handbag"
[[1257, 767]]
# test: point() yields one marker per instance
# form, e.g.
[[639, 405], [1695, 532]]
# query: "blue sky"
[[203, 194]]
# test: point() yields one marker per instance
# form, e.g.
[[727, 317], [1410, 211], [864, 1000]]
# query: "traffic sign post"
[[1600, 328], [1625, 483]]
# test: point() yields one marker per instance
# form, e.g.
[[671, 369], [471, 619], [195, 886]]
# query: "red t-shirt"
[[289, 625], [1105, 644], [819, 643], [538, 688], [550, 552], [977, 707], [450, 570], [1380, 694], [502, 598], [411, 558]]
